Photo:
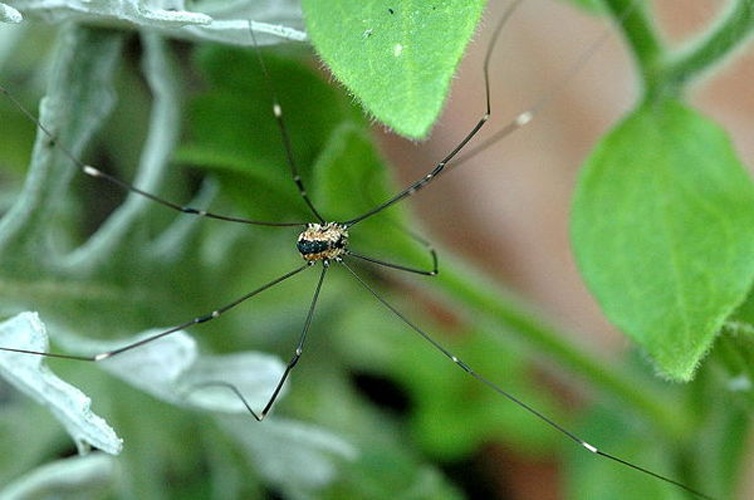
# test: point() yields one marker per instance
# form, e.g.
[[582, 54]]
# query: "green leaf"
[[620, 435], [661, 228], [450, 413], [234, 132], [349, 177], [590, 6], [398, 58]]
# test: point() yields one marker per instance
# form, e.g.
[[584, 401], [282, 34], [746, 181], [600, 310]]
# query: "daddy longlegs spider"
[[324, 243]]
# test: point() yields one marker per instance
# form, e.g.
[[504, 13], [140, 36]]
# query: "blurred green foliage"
[[326, 438]]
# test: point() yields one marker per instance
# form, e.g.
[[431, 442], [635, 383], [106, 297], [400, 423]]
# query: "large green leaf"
[[387, 53], [235, 135], [661, 228]]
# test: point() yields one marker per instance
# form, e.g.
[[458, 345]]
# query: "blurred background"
[[423, 428]]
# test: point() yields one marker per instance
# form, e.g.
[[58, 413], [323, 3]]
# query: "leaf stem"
[[646, 45], [731, 29], [665, 73]]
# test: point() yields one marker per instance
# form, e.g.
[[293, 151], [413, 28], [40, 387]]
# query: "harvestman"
[[326, 242]]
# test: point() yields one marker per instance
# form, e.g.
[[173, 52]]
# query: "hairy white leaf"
[[29, 374], [172, 370], [224, 22], [75, 477], [9, 15], [293, 456], [138, 12]]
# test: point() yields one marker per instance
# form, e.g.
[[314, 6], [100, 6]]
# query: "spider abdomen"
[[323, 242]]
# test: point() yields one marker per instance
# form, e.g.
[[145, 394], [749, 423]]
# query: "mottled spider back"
[[323, 242]]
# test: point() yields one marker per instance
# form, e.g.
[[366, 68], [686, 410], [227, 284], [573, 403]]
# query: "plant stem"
[[488, 303], [726, 34], [667, 74], [632, 19]]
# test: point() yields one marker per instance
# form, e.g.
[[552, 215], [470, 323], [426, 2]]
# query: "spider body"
[[323, 242]]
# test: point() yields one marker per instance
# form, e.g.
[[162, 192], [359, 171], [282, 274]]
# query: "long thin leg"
[[518, 402], [525, 117], [289, 367], [520, 120], [95, 172], [299, 347], [440, 166], [277, 111], [195, 321], [424, 272], [400, 267]]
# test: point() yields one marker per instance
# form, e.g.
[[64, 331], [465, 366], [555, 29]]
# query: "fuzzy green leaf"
[[661, 228], [237, 137], [387, 54]]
